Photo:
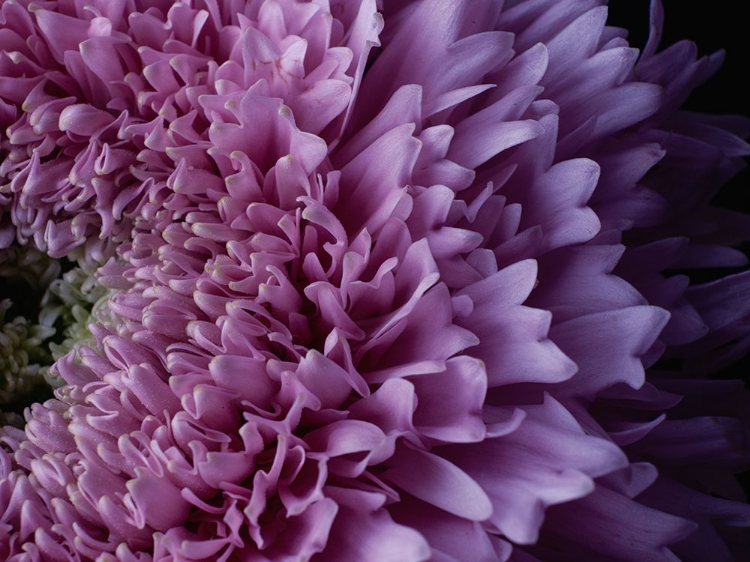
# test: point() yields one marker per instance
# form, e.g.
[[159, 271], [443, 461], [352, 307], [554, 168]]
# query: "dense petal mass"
[[363, 280]]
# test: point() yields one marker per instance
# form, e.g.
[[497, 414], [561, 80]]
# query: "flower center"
[[45, 308]]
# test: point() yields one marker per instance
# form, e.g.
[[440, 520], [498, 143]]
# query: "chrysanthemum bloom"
[[382, 281]]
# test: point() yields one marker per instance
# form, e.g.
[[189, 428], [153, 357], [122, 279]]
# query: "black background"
[[714, 25]]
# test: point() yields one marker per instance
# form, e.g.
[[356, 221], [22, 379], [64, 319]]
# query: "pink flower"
[[387, 283]]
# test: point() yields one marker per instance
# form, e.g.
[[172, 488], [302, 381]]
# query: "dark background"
[[713, 25]]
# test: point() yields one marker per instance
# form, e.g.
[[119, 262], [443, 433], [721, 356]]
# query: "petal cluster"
[[383, 281]]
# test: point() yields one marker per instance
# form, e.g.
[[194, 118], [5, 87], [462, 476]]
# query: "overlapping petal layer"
[[386, 283]]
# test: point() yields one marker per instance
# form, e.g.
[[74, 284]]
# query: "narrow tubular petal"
[[440, 483]]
